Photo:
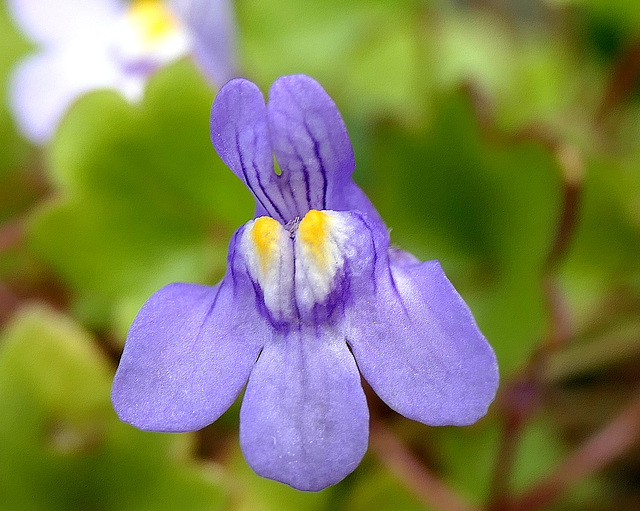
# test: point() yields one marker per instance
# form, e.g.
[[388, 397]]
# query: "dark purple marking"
[[323, 173], [373, 248]]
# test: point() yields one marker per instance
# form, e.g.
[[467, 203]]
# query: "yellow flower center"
[[296, 267], [153, 19], [266, 232], [312, 232]]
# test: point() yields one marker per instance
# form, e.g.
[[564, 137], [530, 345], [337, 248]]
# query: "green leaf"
[[603, 255], [62, 446], [17, 188], [377, 489], [467, 457], [364, 52], [538, 451], [528, 71], [625, 15]]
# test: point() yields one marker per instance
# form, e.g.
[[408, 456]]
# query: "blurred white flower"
[[95, 44]]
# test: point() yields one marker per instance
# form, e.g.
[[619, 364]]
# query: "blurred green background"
[[501, 137]]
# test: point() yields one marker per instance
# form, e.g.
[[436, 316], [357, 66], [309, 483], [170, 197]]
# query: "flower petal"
[[212, 27], [312, 147], [240, 135], [303, 127], [418, 346], [52, 21], [44, 86], [188, 354], [304, 417]]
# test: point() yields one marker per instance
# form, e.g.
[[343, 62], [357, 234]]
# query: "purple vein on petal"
[[300, 207], [323, 172], [374, 249], [256, 174]]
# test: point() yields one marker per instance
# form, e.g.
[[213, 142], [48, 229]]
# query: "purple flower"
[[314, 296], [94, 44]]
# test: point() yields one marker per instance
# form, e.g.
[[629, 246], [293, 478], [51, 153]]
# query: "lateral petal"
[[188, 354], [240, 135], [418, 346]]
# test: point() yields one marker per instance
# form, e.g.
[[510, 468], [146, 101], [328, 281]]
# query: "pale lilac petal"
[[303, 128], [240, 135], [55, 21], [402, 258], [312, 147], [309, 139], [418, 345], [188, 354], [211, 24], [313, 298], [304, 417], [352, 198], [45, 85]]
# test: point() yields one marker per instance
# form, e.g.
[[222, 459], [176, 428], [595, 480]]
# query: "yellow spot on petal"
[[266, 234], [153, 19], [312, 231]]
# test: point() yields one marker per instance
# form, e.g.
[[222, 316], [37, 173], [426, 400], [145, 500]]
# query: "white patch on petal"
[[268, 252], [297, 274], [321, 248]]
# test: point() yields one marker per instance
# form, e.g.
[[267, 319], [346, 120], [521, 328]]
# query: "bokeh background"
[[501, 137]]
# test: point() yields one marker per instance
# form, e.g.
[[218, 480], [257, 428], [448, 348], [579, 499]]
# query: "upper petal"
[[44, 86], [304, 417], [188, 354], [309, 139], [54, 21], [305, 131], [212, 27], [240, 135], [418, 346], [312, 146]]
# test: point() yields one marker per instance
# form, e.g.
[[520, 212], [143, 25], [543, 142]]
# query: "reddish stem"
[[594, 454], [406, 467]]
